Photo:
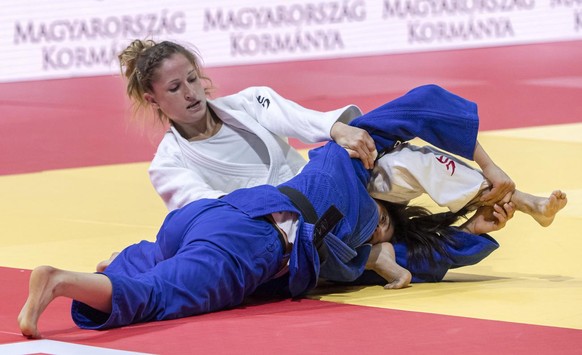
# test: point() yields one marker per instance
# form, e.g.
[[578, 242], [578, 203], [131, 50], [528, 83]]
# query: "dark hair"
[[422, 231]]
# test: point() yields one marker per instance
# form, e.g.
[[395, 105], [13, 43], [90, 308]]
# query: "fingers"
[[507, 197], [365, 148], [503, 214], [507, 210], [502, 186], [363, 152], [498, 194], [357, 142]]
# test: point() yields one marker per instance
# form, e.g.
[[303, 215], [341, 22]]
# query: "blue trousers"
[[207, 256]]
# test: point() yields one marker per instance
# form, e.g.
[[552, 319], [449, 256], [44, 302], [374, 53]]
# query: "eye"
[[382, 219], [174, 88], [192, 79]]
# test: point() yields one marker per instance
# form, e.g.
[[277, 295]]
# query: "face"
[[178, 92], [385, 230]]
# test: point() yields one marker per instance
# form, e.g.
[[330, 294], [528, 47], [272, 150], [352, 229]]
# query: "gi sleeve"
[[429, 112], [466, 249], [176, 183], [289, 119], [409, 171]]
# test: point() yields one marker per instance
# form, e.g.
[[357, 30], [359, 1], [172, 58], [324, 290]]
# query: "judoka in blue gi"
[[211, 254]]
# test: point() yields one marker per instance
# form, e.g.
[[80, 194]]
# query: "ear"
[[150, 99]]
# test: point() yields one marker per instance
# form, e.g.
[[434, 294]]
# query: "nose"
[[190, 93]]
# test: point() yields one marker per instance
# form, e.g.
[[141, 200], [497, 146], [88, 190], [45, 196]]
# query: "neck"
[[204, 130]]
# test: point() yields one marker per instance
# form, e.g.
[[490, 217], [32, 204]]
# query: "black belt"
[[323, 225]]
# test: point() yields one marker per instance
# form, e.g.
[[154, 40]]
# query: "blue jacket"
[[332, 178]]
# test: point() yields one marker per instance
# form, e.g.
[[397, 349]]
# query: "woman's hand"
[[489, 218], [356, 141], [502, 187]]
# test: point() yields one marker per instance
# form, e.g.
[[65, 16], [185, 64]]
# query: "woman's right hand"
[[489, 218], [502, 187], [358, 143]]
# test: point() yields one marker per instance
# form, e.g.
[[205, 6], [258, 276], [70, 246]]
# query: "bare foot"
[[400, 276], [105, 263], [382, 260], [549, 208], [42, 285], [542, 209]]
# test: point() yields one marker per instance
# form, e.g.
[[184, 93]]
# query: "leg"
[[409, 171], [105, 263], [48, 283], [542, 209], [220, 259]]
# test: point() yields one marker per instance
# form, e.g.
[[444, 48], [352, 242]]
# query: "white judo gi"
[[409, 171], [181, 172]]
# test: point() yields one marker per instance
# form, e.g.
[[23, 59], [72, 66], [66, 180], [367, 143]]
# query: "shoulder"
[[250, 92], [261, 96], [169, 144]]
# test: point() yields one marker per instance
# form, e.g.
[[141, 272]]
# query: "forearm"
[[482, 158], [287, 118], [501, 184]]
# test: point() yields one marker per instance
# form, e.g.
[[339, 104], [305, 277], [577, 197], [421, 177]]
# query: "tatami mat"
[[536, 275], [524, 298], [74, 218]]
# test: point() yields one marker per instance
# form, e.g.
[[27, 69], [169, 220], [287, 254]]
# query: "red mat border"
[[295, 327]]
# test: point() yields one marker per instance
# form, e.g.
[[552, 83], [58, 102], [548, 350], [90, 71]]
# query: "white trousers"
[[409, 171]]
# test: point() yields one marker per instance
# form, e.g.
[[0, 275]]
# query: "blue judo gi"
[[451, 123], [211, 254]]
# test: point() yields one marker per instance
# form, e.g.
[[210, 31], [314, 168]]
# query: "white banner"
[[56, 39]]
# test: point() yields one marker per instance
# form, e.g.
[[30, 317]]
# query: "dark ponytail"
[[423, 232]]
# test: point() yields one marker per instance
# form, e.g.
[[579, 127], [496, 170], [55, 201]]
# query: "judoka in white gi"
[[215, 146]]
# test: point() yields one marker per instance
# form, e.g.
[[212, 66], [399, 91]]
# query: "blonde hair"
[[139, 62]]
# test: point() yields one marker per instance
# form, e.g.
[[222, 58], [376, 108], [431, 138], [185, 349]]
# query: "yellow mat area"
[[76, 217]]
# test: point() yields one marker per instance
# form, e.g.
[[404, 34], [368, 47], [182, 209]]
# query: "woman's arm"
[[502, 186], [176, 183], [287, 118]]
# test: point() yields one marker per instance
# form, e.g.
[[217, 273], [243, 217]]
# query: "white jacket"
[[181, 175], [409, 171]]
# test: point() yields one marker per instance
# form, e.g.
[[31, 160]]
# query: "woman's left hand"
[[356, 141]]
